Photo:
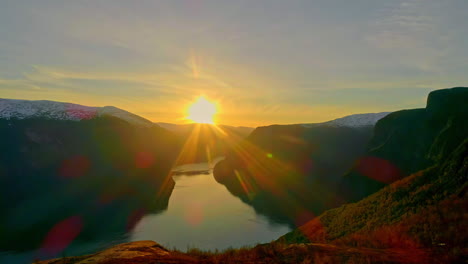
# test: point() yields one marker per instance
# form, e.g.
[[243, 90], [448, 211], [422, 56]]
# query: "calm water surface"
[[203, 214]]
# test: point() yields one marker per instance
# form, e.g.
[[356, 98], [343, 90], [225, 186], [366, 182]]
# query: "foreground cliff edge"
[[149, 252]]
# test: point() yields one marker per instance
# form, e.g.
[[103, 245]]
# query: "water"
[[203, 214]]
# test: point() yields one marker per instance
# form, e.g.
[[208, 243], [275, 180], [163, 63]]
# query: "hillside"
[[426, 210], [275, 168]]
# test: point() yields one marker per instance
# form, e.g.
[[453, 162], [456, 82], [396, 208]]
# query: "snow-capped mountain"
[[358, 120], [22, 109]]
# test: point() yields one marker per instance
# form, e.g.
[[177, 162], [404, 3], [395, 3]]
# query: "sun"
[[202, 111]]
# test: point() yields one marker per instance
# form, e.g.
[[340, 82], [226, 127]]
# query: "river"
[[202, 213]]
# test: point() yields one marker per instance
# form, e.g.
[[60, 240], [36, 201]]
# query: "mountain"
[[408, 141], [275, 168], [358, 120], [205, 142], [64, 164]]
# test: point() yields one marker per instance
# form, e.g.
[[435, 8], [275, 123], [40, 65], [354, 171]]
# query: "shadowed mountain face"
[[87, 179], [289, 173], [407, 141]]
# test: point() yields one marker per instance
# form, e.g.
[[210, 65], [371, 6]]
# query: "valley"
[[386, 187]]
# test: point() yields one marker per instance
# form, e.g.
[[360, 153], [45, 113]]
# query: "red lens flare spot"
[[61, 236], [144, 160], [74, 167], [378, 169]]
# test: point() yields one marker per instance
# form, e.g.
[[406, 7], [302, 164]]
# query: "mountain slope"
[[425, 210]]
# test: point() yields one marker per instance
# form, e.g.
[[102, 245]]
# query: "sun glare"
[[202, 111]]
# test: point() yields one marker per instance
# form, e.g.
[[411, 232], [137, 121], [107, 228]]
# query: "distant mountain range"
[[357, 120], [242, 131], [204, 142]]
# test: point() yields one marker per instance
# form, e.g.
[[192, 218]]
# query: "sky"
[[263, 61]]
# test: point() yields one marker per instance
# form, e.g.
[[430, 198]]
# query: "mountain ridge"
[[22, 109]]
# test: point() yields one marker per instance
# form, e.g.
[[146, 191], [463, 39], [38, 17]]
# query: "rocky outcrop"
[[407, 141]]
